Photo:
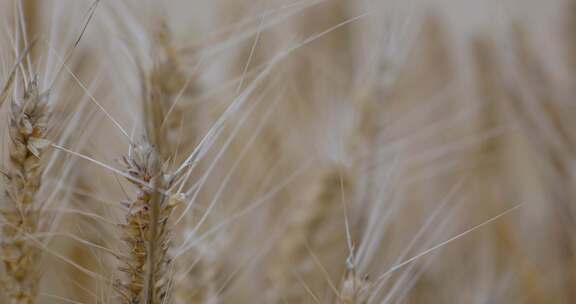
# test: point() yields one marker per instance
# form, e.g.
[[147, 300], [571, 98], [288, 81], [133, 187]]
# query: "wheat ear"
[[166, 82], [21, 205], [145, 231], [305, 228]]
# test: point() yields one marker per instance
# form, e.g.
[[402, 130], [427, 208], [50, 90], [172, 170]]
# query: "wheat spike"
[[21, 205], [146, 246]]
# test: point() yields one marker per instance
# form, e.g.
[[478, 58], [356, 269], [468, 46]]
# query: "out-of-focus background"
[[412, 151]]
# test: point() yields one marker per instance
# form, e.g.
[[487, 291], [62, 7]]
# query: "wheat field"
[[287, 151]]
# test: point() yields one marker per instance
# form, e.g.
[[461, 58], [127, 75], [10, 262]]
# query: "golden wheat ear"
[[146, 262], [21, 216]]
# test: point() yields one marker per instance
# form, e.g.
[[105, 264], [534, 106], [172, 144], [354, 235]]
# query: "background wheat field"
[[287, 151]]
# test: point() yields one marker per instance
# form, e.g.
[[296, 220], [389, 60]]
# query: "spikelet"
[[21, 205]]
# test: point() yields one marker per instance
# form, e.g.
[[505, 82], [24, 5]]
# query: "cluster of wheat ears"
[[287, 151]]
